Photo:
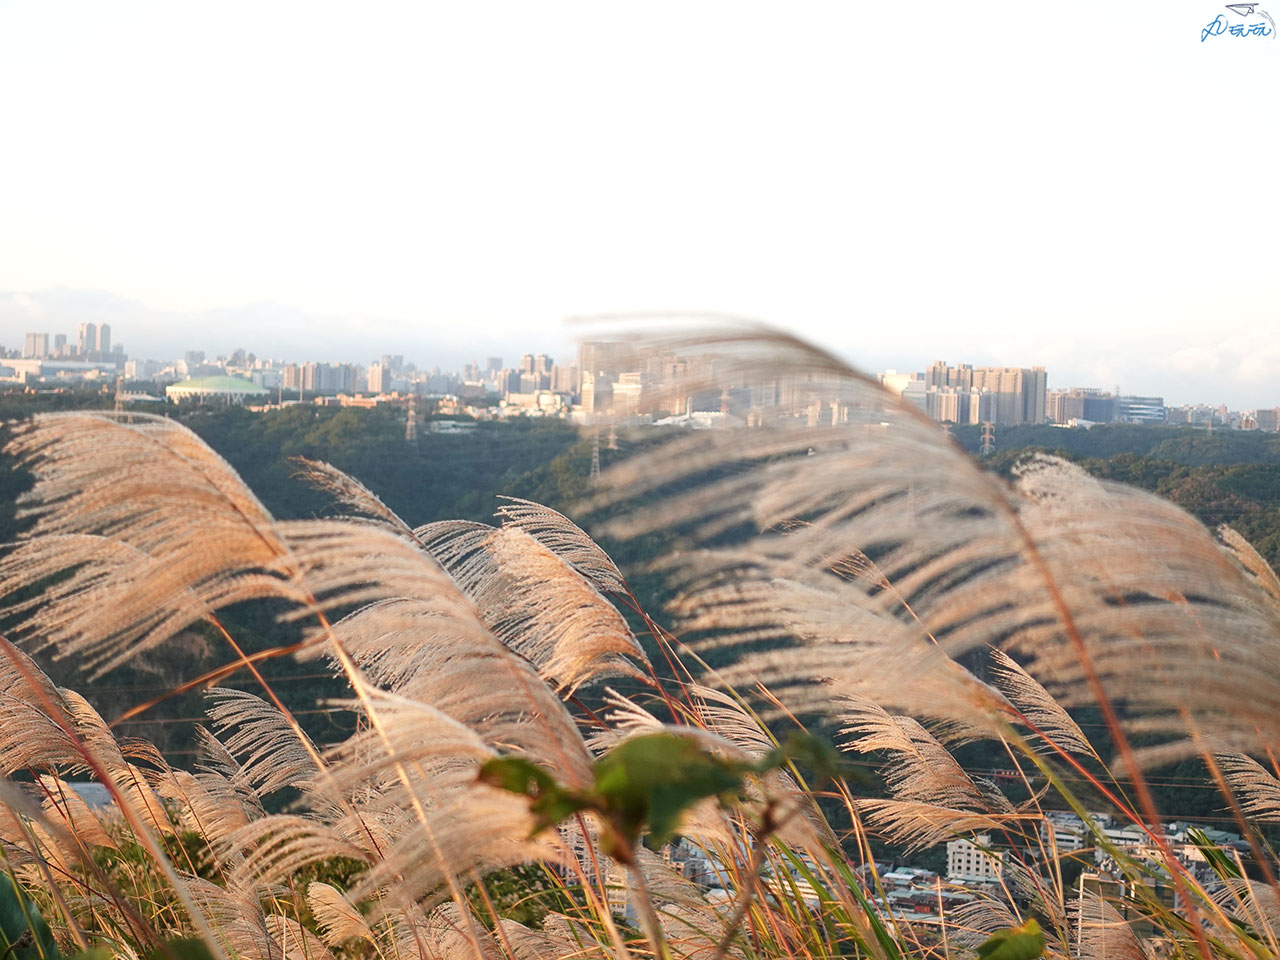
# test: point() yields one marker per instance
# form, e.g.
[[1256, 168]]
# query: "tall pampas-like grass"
[[837, 564]]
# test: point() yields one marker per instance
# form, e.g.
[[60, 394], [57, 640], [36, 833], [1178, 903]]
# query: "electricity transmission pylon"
[[411, 422], [988, 438]]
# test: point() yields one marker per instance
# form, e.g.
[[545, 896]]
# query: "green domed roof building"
[[226, 389]]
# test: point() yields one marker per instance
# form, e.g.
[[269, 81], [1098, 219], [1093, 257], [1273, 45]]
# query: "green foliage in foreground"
[[1017, 943], [24, 935], [644, 785]]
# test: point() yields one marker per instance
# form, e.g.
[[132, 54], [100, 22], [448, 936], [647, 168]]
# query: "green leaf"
[[650, 781], [815, 753], [1017, 943], [24, 935], [645, 783], [549, 801], [516, 774], [185, 949], [1222, 865]]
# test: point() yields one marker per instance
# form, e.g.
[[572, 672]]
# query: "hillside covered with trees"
[[1220, 476]]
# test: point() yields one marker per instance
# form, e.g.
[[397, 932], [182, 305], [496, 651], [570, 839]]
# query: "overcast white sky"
[[1087, 186]]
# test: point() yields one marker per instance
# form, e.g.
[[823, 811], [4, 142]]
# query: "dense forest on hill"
[[1220, 476], [1190, 446]]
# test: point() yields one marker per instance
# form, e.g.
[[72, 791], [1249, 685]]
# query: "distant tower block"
[[988, 438], [595, 458], [411, 421], [87, 341]]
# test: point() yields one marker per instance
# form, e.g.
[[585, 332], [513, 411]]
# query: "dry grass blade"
[[273, 848], [461, 670], [969, 924], [64, 805], [416, 780], [1252, 902], [546, 944], [449, 933], [209, 805], [29, 738], [293, 941], [724, 716], [814, 641]]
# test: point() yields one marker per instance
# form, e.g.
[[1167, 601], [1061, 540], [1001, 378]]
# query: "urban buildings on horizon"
[[609, 379]]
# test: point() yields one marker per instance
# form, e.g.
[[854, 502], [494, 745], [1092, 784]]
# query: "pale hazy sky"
[[1088, 186]]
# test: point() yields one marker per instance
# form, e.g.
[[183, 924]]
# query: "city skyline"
[[600, 376], [287, 334]]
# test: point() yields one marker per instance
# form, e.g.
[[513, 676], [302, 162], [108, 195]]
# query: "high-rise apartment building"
[[36, 345], [564, 379], [1080, 403], [1035, 388], [628, 393], [610, 357], [597, 392], [60, 345], [87, 341], [103, 345], [330, 379], [1006, 395]]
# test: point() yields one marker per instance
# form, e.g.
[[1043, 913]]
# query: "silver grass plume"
[[1110, 594], [536, 602], [1037, 706], [565, 539], [1256, 788]]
